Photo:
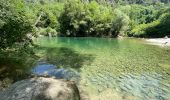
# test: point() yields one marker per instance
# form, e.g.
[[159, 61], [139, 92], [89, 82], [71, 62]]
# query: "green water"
[[111, 69]]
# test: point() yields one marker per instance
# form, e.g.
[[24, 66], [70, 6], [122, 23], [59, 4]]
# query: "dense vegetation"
[[101, 18], [13, 23], [22, 20]]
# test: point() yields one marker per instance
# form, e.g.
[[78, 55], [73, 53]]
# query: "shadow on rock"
[[41, 89]]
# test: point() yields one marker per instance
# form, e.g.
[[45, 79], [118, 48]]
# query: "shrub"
[[14, 25], [46, 31], [88, 19], [140, 30], [158, 28]]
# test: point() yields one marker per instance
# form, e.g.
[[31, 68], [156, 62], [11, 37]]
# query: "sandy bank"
[[159, 41]]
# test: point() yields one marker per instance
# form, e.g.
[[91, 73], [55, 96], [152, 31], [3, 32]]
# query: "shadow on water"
[[66, 58], [18, 65], [15, 66], [61, 62]]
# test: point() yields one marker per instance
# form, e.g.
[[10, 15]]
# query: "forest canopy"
[[75, 18], [101, 18]]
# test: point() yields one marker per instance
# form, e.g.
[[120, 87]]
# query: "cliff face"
[[41, 89]]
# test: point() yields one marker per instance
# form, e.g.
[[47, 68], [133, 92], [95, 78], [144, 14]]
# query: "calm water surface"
[[107, 69]]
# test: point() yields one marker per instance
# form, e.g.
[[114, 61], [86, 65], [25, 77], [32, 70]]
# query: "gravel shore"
[[159, 41]]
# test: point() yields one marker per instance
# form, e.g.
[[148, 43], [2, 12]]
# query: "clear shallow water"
[[43, 68], [107, 69], [112, 68]]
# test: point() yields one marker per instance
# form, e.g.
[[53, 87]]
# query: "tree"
[[87, 19], [13, 24]]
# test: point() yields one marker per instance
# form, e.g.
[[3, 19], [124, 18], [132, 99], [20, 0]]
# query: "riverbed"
[[106, 68]]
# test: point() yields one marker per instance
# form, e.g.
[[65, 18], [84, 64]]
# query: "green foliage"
[[15, 65], [43, 15], [72, 18], [46, 31], [140, 30], [162, 29], [121, 22], [51, 14], [13, 24], [141, 14], [95, 17], [157, 28], [101, 18], [88, 19]]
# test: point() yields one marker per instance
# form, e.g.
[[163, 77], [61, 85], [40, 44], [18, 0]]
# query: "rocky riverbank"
[[159, 41]]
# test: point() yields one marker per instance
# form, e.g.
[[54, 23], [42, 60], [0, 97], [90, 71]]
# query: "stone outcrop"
[[41, 88]]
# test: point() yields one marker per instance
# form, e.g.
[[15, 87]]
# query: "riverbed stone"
[[41, 88]]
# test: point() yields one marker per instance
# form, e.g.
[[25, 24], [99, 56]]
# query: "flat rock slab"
[[41, 88]]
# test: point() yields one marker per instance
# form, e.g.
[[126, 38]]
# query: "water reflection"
[[101, 63], [43, 68], [85, 43], [65, 57]]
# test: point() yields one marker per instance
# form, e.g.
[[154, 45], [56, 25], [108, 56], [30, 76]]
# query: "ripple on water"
[[145, 86], [111, 59]]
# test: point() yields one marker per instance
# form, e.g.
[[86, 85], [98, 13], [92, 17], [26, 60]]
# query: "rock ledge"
[[41, 88]]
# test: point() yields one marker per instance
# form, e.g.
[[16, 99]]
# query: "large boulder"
[[41, 88]]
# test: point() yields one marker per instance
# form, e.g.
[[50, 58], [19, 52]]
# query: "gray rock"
[[41, 88]]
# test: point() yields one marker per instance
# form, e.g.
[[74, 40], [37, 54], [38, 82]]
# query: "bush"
[[46, 31], [140, 30], [158, 28], [162, 29], [43, 15], [14, 25], [121, 22], [87, 19]]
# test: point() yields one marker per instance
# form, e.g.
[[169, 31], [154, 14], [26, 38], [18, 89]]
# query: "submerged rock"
[[46, 69], [41, 89]]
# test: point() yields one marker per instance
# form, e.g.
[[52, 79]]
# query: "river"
[[104, 68]]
